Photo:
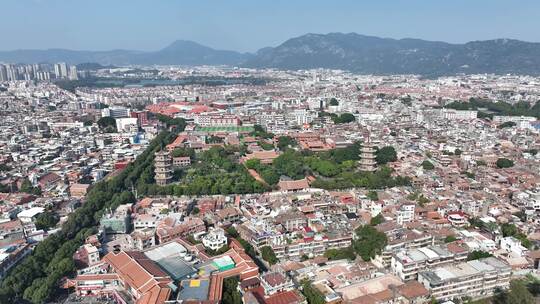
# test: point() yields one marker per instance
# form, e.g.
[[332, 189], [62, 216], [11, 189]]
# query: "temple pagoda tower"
[[162, 168], [367, 157]]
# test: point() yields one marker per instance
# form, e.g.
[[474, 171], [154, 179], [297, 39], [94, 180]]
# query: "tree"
[[427, 165], [478, 254], [339, 254], [369, 242], [232, 232], [376, 220], [325, 167], [504, 163], [253, 163], [385, 155], [422, 200], [26, 187], [372, 195], [507, 124], [108, 124], [519, 294], [231, 295], [46, 220], [267, 253], [183, 152], [449, 239], [285, 141], [343, 118], [312, 294], [333, 102], [508, 229]]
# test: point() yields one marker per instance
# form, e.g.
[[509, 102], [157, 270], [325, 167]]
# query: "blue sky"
[[244, 25]]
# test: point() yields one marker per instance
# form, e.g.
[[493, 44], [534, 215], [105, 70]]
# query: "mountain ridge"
[[347, 51]]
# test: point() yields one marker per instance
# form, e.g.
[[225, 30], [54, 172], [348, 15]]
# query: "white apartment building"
[[522, 122], [474, 279], [214, 239], [126, 124], [143, 221], [452, 114], [405, 214], [115, 112], [300, 117], [406, 264], [314, 246], [513, 246]]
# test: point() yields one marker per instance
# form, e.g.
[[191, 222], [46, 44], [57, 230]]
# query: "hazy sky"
[[248, 25]]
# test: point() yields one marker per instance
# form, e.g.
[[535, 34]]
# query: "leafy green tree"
[[504, 163], [373, 195], [183, 152], [427, 165], [46, 220], [325, 167], [26, 187], [177, 123], [507, 124], [339, 254], [509, 229], [267, 253], [478, 254], [385, 155], [312, 294], [254, 164], [290, 163], [284, 142], [343, 118], [519, 294], [231, 295], [369, 242], [270, 175], [107, 123], [333, 102], [376, 220], [449, 239], [258, 131], [232, 232]]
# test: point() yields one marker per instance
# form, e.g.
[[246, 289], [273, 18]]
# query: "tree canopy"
[[369, 243], [385, 155], [267, 253], [427, 165], [504, 163], [107, 124]]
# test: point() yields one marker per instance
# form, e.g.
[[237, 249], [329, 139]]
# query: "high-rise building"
[[61, 70], [367, 157], [3, 73], [12, 73], [162, 168], [73, 73], [57, 71]]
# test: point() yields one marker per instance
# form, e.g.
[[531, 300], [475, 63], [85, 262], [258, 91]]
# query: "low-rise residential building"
[[474, 279]]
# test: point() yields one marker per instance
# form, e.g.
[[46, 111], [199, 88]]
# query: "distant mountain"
[[353, 52], [92, 66], [180, 52], [184, 52], [374, 55]]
